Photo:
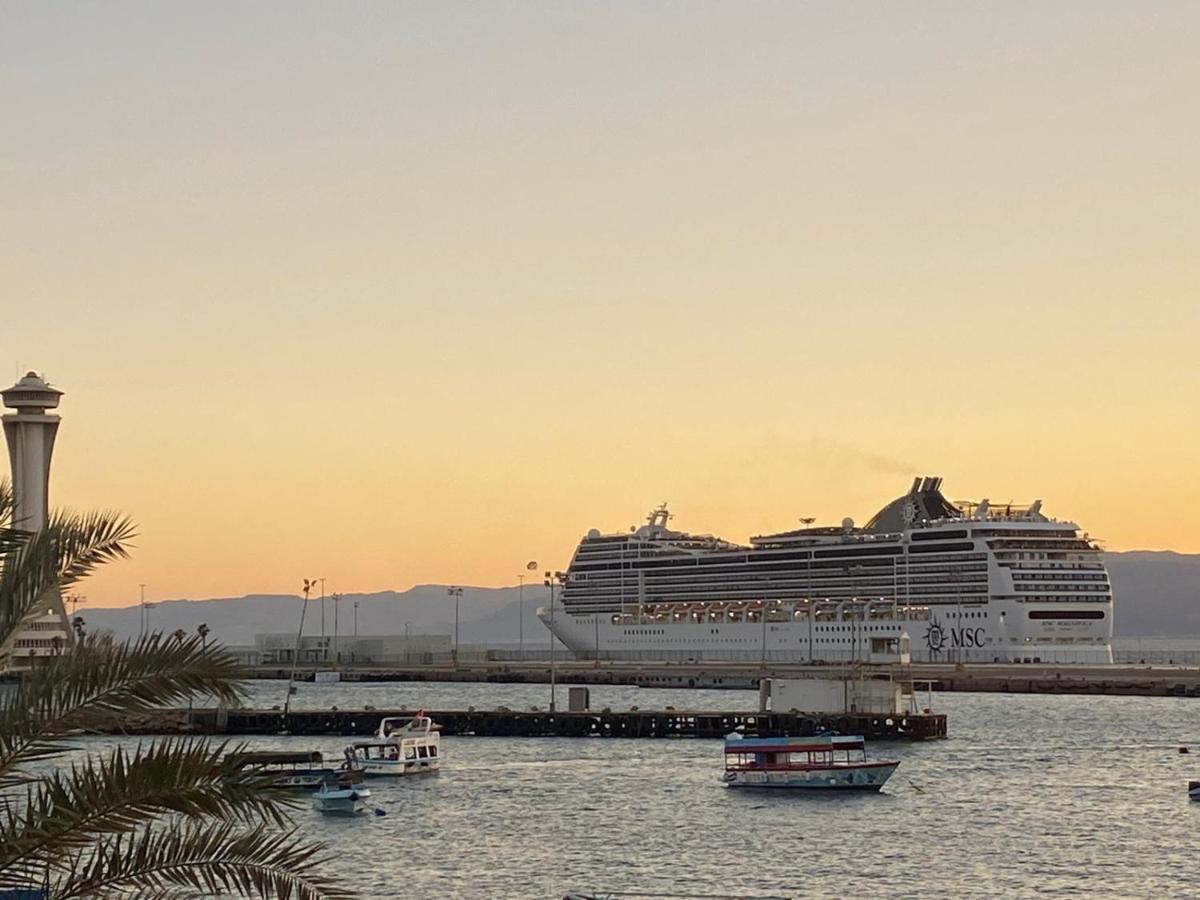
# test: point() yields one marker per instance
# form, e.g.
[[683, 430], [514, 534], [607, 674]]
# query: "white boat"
[[825, 763], [333, 799], [403, 745], [967, 581]]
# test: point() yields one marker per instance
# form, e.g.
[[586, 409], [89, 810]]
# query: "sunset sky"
[[395, 293]]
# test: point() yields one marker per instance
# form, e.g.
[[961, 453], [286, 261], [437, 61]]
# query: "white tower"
[[30, 431]]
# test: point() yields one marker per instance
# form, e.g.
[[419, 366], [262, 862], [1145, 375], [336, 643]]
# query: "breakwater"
[[665, 723]]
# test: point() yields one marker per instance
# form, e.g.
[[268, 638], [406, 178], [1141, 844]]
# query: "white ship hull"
[[939, 638], [865, 777]]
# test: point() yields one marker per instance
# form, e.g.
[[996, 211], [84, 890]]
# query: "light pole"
[[521, 616], [337, 653], [806, 522], [456, 593], [763, 613], [322, 580], [956, 576], [549, 582], [530, 566], [854, 572], [356, 620]]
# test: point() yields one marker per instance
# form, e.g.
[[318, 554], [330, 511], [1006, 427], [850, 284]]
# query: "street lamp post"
[[322, 580], [456, 593], [521, 616], [530, 566], [356, 620], [855, 571], [807, 522], [956, 576], [764, 631], [337, 653], [549, 582]]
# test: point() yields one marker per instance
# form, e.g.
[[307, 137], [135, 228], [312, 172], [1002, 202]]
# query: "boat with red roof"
[[827, 762]]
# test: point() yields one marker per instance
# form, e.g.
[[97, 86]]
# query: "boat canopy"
[[823, 744], [237, 760]]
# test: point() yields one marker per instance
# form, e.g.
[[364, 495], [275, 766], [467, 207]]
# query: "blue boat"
[[829, 762]]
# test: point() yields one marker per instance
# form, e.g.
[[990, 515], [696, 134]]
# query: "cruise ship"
[[939, 580]]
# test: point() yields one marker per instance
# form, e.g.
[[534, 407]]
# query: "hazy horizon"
[[416, 293]]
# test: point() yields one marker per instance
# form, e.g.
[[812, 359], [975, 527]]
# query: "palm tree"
[[202, 630], [157, 820], [179, 634]]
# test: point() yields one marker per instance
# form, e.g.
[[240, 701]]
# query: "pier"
[[665, 723], [1010, 678]]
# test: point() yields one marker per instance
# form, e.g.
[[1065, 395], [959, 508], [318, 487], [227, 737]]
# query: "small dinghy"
[[1194, 790], [334, 799]]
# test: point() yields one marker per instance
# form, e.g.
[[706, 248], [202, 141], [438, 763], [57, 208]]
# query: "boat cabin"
[[403, 745], [298, 769], [793, 753], [388, 751]]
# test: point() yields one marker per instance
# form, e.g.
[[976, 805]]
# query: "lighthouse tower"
[[30, 431]]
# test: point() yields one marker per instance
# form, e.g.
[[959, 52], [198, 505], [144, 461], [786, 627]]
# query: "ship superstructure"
[[962, 580]]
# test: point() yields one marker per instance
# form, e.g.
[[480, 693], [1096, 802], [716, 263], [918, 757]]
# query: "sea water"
[[1029, 796]]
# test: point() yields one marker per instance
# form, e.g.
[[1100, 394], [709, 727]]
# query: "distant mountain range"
[[1157, 593], [487, 615]]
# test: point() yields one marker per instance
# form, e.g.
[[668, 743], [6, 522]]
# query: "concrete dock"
[[665, 723], [1037, 678]]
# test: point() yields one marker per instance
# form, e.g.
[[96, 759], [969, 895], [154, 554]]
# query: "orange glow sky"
[[410, 293]]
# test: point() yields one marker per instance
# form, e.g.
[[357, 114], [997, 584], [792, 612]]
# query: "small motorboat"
[[1194, 790], [824, 763], [334, 799]]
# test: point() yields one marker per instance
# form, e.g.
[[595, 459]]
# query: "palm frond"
[[88, 540], [70, 547], [10, 538], [30, 571], [6, 503], [123, 792], [209, 858], [99, 682]]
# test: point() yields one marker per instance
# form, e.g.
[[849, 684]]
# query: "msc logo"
[[935, 637], [939, 638]]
